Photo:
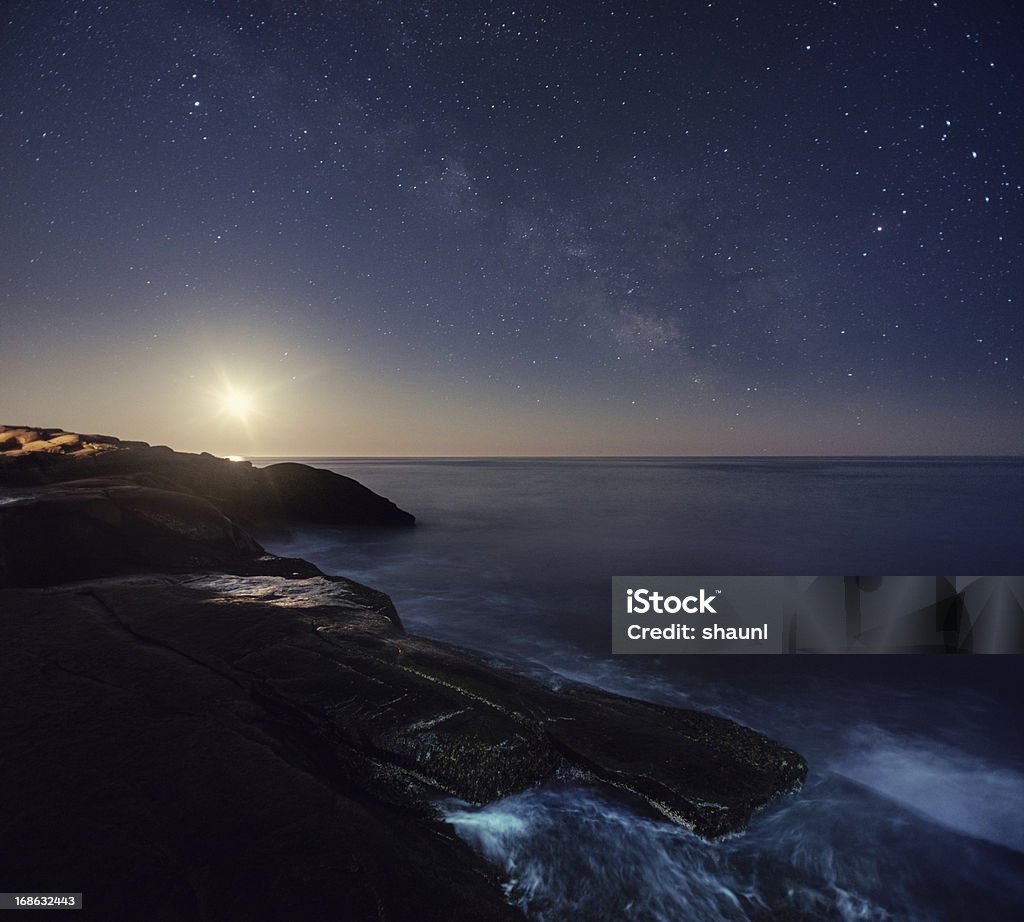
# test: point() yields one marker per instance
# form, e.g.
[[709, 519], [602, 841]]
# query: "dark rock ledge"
[[249, 495], [193, 729]]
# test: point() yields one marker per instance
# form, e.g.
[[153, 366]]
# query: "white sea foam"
[[959, 790], [574, 854]]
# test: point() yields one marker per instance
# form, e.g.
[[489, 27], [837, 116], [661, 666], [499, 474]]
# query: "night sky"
[[514, 228]]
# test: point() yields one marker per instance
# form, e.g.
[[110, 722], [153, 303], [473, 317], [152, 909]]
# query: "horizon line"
[[823, 457]]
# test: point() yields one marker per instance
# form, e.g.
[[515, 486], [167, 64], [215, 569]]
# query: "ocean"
[[914, 804]]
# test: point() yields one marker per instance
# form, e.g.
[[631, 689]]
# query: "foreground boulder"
[[211, 732], [265, 747], [147, 766]]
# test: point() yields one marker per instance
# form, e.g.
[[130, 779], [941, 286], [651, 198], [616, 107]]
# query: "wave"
[[958, 790], [571, 853]]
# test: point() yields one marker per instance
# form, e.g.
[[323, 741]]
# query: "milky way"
[[492, 228]]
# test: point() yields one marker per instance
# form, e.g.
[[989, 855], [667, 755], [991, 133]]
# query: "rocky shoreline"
[[197, 729]]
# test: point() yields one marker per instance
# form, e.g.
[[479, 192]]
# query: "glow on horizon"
[[374, 418], [265, 397]]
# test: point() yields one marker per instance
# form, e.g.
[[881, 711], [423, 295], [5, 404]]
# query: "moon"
[[235, 403]]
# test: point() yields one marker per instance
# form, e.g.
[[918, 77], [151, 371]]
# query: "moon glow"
[[235, 403]]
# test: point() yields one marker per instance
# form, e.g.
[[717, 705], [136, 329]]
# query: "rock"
[[697, 770], [154, 758], [103, 528], [213, 732], [239, 742], [20, 441], [493, 733], [298, 491], [292, 492]]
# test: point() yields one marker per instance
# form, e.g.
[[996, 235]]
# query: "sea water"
[[914, 804]]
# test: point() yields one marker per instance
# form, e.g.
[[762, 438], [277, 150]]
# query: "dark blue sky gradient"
[[496, 228]]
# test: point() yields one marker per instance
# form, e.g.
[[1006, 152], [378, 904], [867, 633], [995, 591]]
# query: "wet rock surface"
[[206, 731]]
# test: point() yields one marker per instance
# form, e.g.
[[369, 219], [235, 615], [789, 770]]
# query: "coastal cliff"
[[208, 731]]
